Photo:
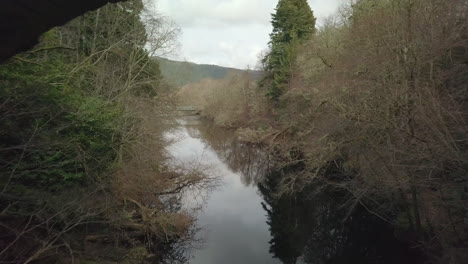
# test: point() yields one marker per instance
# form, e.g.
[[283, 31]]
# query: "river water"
[[242, 221]]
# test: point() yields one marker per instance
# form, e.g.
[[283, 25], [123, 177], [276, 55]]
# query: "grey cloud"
[[228, 32]]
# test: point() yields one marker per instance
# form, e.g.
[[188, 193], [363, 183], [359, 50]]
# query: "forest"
[[370, 106], [84, 177]]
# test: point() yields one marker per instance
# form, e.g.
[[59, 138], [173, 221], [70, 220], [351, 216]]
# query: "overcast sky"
[[227, 32]]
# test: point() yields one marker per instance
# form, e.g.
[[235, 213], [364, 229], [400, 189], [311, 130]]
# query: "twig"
[[26, 60], [50, 48], [20, 160]]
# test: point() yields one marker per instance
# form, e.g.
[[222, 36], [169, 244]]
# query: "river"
[[242, 221]]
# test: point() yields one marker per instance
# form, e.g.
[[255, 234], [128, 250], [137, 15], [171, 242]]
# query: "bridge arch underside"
[[22, 22]]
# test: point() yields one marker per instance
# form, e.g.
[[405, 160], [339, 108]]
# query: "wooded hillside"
[[180, 73]]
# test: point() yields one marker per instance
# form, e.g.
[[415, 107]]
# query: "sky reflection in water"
[[233, 220]]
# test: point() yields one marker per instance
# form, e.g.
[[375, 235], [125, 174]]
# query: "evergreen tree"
[[292, 23]]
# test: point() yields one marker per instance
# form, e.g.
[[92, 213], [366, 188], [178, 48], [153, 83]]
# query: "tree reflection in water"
[[247, 160], [309, 226]]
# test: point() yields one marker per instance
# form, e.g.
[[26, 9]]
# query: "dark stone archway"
[[23, 21]]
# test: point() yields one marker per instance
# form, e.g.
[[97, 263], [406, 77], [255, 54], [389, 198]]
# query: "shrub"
[[53, 138]]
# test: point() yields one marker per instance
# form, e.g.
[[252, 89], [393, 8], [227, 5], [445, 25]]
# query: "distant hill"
[[180, 73]]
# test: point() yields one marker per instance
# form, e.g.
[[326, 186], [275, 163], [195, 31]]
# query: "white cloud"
[[194, 13], [228, 32]]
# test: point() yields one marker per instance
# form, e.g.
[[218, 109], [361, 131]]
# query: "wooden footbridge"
[[187, 110]]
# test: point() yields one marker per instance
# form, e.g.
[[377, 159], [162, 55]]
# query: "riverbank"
[[318, 150], [244, 220], [372, 103], [78, 115]]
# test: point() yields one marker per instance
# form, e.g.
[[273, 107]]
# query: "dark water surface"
[[242, 222]]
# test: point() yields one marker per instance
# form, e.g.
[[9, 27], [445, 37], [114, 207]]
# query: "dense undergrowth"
[[375, 104], [81, 124], [228, 101]]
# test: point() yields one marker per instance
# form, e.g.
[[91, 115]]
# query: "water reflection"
[[309, 227], [244, 159], [247, 223], [233, 221]]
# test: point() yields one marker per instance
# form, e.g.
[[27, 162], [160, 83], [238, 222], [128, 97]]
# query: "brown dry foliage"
[[379, 94], [148, 184], [231, 102]]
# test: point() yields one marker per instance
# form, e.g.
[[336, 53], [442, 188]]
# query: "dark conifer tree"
[[293, 22]]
